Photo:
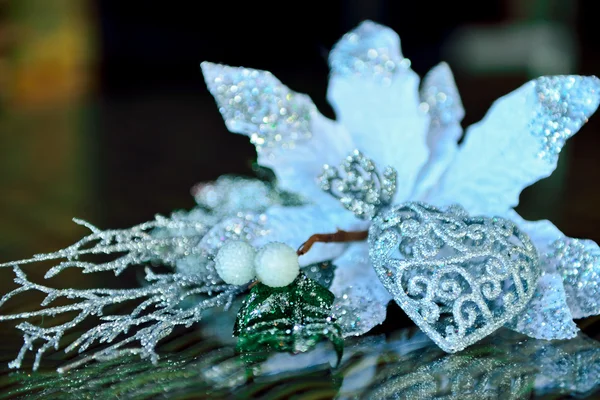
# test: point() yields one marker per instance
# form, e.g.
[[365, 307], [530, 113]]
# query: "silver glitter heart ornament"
[[458, 277]]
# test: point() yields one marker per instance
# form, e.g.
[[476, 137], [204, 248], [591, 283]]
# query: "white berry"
[[276, 265], [235, 262]]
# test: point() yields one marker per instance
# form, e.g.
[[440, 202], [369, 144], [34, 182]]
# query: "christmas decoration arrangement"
[[381, 204]]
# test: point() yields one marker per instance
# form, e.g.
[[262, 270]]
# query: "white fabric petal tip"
[[255, 103], [565, 104], [547, 315], [440, 97], [360, 298], [370, 50], [578, 263], [441, 100], [291, 136], [374, 94], [517, 143]]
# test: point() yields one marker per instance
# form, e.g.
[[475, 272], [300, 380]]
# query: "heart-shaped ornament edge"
[[381, 244]]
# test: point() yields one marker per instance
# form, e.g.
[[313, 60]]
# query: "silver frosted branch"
[[158, 313], [139, 243], [165, 301]]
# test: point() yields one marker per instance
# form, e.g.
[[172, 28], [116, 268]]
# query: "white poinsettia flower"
[[382, 111]]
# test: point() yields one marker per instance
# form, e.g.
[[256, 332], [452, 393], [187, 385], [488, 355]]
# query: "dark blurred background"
[[104, 114]]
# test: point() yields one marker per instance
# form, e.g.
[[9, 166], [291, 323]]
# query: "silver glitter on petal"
[[358, 185], [440, 97], [257, 104], [458, 277], [371, 51], [515, 144], [578, 262], [565, 104], [357, 312], [547, 315]]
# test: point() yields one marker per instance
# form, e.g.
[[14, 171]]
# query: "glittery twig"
[[159, 311], [338, 237], [138, 243], [165, 301]]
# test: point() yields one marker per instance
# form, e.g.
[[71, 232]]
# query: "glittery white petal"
[[290, 135], [547, 316], [439, 96], [257, 104], [297, 169], [517, 143], [577, 261], [294, 225], [542, 234], [360, 298], [375, 95]]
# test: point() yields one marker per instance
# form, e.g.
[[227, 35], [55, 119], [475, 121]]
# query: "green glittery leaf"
[[291, 319]]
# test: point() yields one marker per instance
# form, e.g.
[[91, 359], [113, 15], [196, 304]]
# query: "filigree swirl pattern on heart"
[[458, 277]]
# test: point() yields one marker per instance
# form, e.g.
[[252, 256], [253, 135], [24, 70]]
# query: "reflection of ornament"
[[458, 277], [404, 364]]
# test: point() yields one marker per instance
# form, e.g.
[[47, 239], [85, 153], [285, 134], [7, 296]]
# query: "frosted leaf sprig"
[[161, 302]]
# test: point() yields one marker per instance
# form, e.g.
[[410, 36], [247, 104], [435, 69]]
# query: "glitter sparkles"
[[578, 262], [440, 97], [358, 186], [257, 104], [245, 226], [161, 302], [547, 315], [360, 299], [565, 104], [370, 51], [356, 311]]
